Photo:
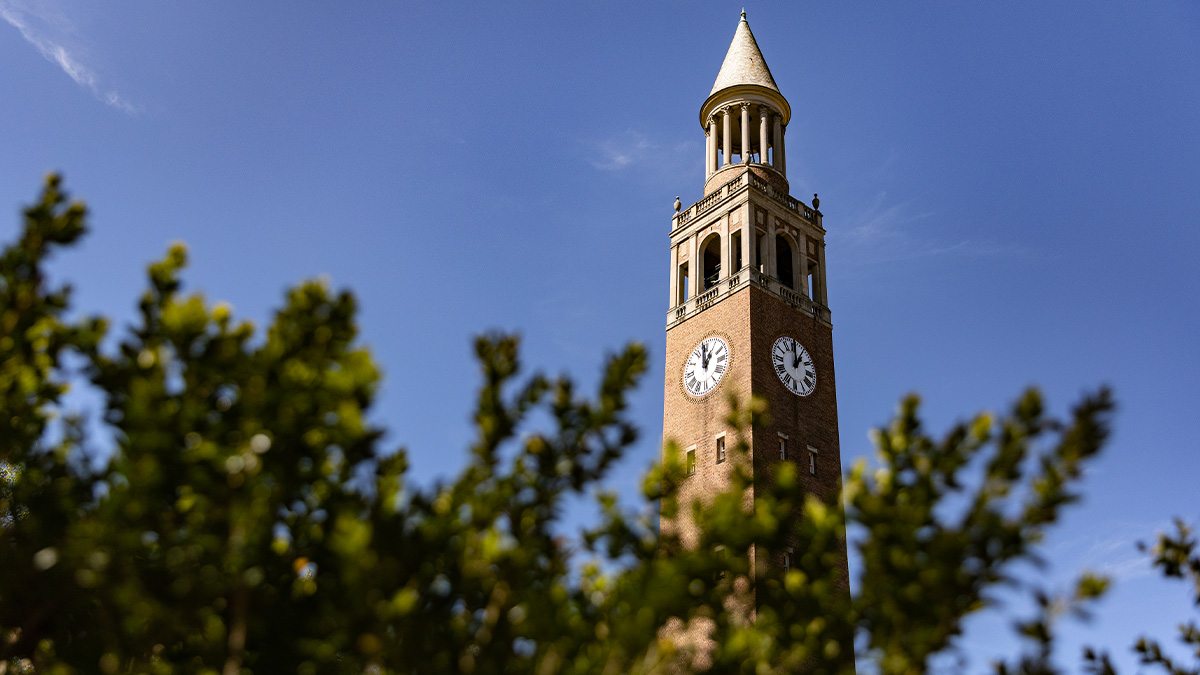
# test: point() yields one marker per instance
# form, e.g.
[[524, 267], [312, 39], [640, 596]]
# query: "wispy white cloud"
[[1118, 557], [622, 151], [883, 221], [46, 29], [1111, 550], [887, 230], [628, 150]]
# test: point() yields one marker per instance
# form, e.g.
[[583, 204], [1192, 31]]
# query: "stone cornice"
[[742, 279], [742, 182], [753, 94]]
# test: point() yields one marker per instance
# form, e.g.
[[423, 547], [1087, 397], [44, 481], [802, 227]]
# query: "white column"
[[674, 299], [707, 152], [725, 138], [726, 248], [796, 253], [745, 131], [782, 151], [803, 244], [711, 148], [769, 251], [764, 114], [693, 266], [748, 235], [777, 143], [824, 292]]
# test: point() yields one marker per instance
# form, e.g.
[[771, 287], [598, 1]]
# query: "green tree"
[[249, 519]]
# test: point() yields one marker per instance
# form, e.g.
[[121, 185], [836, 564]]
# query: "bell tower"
[[748, 309]]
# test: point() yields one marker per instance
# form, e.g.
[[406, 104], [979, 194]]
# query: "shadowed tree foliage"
[[235, 511], [1176, 555]]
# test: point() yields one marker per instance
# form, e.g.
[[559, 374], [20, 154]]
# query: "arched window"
[[783, 262], [710, 254]]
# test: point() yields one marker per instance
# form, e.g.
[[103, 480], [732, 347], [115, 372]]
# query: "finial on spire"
[[743, 14]]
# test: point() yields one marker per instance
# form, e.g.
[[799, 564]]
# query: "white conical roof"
[[744, 62]]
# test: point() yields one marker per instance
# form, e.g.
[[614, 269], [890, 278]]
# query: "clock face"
[[705, 366], [794, 366]]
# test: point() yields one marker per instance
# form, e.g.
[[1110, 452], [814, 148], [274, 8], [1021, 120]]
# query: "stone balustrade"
[[742, 181], [785, 199], [737, 281]]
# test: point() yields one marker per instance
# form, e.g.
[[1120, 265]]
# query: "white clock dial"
[[794, 366], [705, 366]]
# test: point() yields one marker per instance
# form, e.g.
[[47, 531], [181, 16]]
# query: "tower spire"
[[745, 116], [744, 62]]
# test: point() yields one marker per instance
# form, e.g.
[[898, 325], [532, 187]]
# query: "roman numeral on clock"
[[705, 366], [794, 365]]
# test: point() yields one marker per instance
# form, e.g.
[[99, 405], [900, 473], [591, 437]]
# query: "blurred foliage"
[[247, 517], [1176, 555]]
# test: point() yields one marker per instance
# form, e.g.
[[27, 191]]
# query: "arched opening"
[[783, 262], [710, 260]]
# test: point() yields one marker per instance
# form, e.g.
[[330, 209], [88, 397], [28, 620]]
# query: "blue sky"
[[1010, 192]]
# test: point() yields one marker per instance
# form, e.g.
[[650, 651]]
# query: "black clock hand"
[[704, 356], [795, 356]]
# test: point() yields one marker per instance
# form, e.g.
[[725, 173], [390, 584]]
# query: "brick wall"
[[750, 321], [697, 421]]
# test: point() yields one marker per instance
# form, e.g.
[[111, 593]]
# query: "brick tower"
[[748, 307]]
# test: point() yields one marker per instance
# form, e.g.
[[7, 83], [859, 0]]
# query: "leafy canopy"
[[247, 517]]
